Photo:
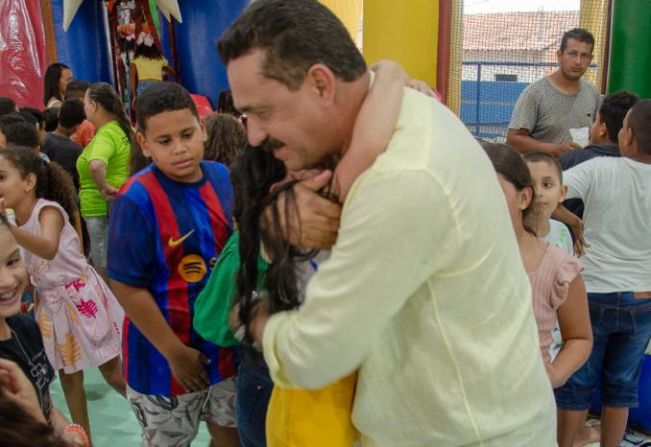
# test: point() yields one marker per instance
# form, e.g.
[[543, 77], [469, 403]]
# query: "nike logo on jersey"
[[173, 243]]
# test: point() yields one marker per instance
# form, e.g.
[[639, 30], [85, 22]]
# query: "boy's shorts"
[[174, 421], [621, 327]]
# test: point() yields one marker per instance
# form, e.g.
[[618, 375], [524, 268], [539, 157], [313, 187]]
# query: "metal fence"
[[487, 104]]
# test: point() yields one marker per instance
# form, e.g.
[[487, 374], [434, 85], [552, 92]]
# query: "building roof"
[[517, 30]]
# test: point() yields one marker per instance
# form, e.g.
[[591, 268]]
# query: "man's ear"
[[322, 81], [142, 142]]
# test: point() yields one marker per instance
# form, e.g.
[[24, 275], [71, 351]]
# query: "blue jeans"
[[254, 388], [621, 327]]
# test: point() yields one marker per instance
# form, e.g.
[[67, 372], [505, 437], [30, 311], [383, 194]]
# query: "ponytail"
[[104, 94], [52, 181]]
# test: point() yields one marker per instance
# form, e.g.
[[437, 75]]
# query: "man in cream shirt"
[[424, 291]]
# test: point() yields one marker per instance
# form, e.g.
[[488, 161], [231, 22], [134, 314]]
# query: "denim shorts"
[[621, 327], [98, 235]]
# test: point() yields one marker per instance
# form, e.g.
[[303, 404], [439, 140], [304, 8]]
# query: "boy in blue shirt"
[[168, 225]]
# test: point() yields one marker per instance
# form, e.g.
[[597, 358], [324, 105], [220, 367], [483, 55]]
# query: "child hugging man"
[[168, 225], [617, 274]]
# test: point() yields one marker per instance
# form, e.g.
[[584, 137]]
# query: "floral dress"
[[78, 315]]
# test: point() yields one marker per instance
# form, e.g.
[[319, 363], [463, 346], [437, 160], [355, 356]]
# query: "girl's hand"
[[421, 86], [557, 379], [17, 388], [188, 367], [2, 206], [261, 314]]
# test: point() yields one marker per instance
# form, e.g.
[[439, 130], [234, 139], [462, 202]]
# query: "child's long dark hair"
[[104, 94], [510, 164], [253, 173], [52, 181]]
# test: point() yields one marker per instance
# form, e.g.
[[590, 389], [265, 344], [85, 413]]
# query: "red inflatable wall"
[[23, 57]]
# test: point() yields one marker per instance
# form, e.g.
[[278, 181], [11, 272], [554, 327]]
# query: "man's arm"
[[523, 142], [379, 261]]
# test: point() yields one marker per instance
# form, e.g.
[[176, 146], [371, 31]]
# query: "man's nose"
[[255, 133]]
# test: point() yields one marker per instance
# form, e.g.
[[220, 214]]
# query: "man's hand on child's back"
[[188, 367]]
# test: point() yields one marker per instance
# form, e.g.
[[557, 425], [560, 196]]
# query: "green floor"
[[113, 424], [111, 421]]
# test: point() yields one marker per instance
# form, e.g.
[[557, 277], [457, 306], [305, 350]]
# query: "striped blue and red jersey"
[[166, 236]]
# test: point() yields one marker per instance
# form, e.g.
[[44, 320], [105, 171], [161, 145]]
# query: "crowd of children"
[[173, 330]]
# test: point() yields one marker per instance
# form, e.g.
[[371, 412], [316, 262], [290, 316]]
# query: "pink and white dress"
[[78, 315]]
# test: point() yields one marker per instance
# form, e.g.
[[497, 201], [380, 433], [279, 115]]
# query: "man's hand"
[[187, 365], [315, 221], [564, 148]]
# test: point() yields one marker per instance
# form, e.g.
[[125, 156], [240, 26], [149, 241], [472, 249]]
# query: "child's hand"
[[421, 86], [261, 314], [580, 245], [555, 377], [188, 367], [17, 388]]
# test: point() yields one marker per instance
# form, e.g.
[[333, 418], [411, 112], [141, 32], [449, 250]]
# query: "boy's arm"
[[374, 125], [570, 219], [186, 363]]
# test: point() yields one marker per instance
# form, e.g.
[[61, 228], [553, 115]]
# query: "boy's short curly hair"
[[162, 97]]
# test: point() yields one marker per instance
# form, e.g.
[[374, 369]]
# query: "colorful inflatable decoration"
[[169, 8]]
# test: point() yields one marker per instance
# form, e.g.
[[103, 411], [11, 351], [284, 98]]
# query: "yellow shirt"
[[426, 294], [149, 69]]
